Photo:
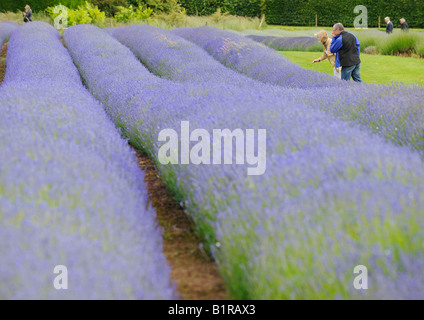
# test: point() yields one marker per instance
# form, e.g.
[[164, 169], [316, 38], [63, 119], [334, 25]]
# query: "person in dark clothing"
[[27, 14], [389, 28], [347, 48], [403, 25]]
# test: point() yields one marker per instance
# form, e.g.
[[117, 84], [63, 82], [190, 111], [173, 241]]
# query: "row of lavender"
[[320, 209], [254, 59], [154, 46], [6, 29], [289, 43], [188, 59], [395, 112], [71, 192]]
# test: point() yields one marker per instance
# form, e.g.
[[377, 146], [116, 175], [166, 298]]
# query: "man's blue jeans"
[[353, 72]]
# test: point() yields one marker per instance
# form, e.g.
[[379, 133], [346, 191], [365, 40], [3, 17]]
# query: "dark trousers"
[[353, 72]]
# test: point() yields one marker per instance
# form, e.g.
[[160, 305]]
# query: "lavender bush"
[[6, 29], [154, 46], [255, 59], [289, 43], [395, 112], [71, 192], [333, 196]]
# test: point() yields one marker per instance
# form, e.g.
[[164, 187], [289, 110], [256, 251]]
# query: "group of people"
[[343, 52], [389, 25]]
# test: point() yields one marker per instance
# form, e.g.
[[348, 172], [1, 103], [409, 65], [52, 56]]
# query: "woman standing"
[[326, 42], [27, 14]]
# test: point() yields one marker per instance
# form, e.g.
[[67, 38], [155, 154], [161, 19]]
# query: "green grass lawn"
[[374, 68]]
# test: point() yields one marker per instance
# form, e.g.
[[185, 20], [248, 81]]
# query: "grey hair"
[[386, 18], [402, 20], [339, 26]]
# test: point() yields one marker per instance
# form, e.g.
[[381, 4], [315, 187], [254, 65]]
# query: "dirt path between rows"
[[3, 53], [197, 277]]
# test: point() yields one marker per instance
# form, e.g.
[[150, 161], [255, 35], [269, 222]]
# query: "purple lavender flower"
[[288, 43], [71, 192], [6, 29], [394, 112], [333, 196], [154, 46], [255, 59]]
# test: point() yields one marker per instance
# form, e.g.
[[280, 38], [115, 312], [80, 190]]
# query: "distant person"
[[326, 42], [389, 27], [27, 14], [404, 25], [347, 49]]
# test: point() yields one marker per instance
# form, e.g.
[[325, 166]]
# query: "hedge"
[[104, 5], [282, 12], [249, 8], [302, 12], [201, 7]]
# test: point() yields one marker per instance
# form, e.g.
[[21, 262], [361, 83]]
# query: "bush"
[[370, 50], [420, 49], [399, 44], [219, 16], [201, 7], [84, 14], [158, 6], [176, 18], [110, 7], [367, 40], [78, 16], [131, 14], [37, 5], [248, 8], [302, 12]]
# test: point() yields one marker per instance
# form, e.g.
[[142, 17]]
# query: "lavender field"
[[289, 43], [343, 184], [6, 29], [70, 191]]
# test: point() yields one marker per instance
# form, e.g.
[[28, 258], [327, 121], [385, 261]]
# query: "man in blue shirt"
[[389, 27], [347, 49]]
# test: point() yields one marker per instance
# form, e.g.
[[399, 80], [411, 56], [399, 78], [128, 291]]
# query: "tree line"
[[282, 12]]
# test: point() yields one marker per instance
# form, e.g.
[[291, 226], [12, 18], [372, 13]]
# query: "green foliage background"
[[41, 5], [282, 12], [249, 8], [36, 5], [302, 12]]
